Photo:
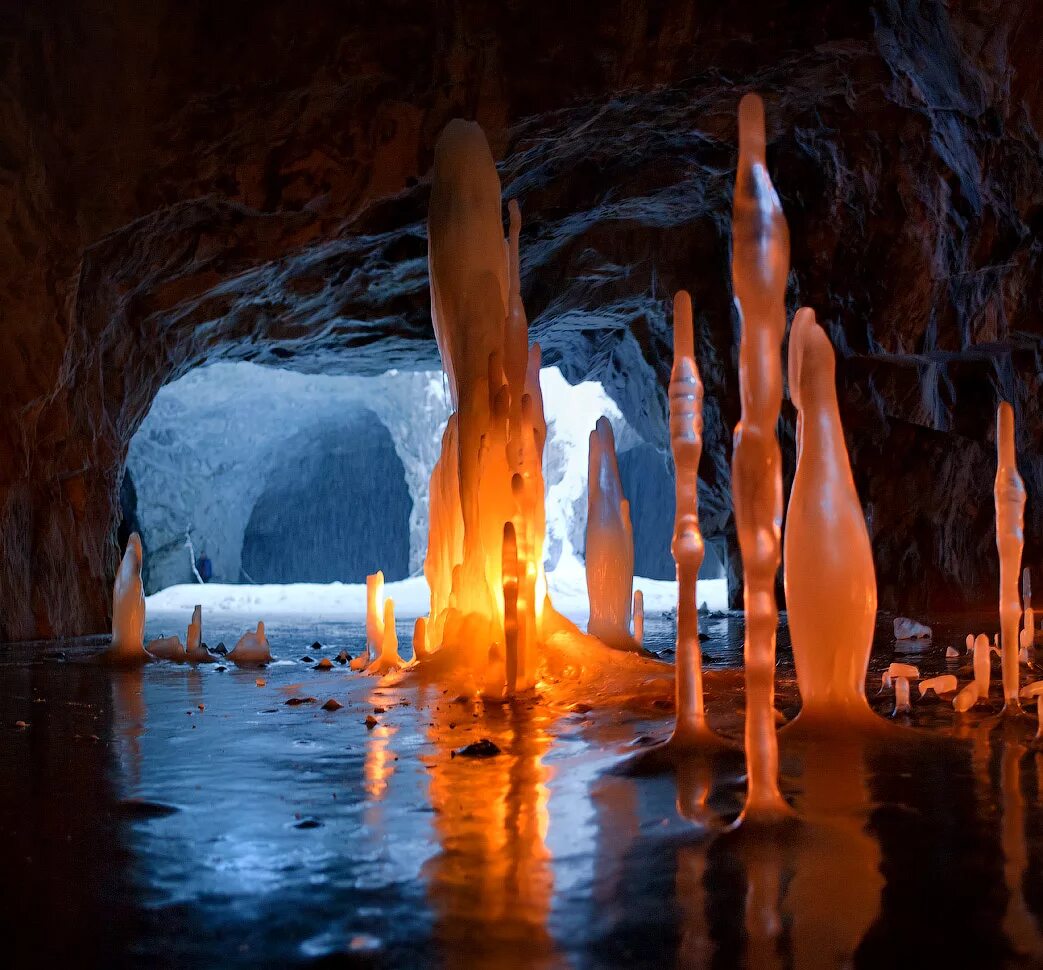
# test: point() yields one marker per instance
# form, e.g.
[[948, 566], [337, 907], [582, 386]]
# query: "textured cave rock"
[[335, 509], [189, 182]]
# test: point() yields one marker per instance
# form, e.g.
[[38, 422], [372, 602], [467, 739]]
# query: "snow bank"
[[341, 601]]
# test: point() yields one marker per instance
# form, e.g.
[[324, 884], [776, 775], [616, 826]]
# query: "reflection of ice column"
[[610, 543], [686, 440], [1010, 520], [128, 607], [760, 265], [827, 554]]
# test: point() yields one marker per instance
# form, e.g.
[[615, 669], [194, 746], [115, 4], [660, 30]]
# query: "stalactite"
[[760, 265]]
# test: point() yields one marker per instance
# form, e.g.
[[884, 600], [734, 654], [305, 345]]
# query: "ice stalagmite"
[[1029, 615], [686, 441], [489, 472], [760, 265], [374, 614], [128, 608], [196, 651], [610, 543], [388, 658], [829, 576], [639, 617], [1010, 539], [252, 647]]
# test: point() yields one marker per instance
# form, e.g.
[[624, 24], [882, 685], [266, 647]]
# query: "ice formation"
[[420, 638], [610, 543], [966, 698], [167, 648], [387, 659], [827, 554], [489, 472], [760, 266], [252, 648], [128, 608], [907, 629], [639, 617], [194, 649], [900, 674], [1028, 615], [1010, 521], [982, 664], [374, 614], [943, 684], [1034, 691], [686, 441]]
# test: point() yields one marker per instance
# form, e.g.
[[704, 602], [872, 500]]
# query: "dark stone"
[[221, 649], [308, 823], [316, 645], [478, 749], [294, 701]]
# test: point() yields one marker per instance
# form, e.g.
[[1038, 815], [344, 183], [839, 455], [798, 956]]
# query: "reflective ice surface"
[[194, 818]]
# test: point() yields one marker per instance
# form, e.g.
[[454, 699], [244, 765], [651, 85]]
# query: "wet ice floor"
[[181, 817]]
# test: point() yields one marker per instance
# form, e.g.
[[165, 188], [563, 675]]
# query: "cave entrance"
[[280, 477], [335, 508]]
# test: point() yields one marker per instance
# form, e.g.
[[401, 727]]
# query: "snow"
[[347, 601]]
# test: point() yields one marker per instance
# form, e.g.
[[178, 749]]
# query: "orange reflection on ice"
[[491, 882]]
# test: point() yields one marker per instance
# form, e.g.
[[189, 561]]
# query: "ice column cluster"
[[489, 473]]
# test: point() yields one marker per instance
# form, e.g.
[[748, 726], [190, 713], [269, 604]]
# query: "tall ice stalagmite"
[[490, 471], [1010, 540], [128, 608], [610, 543], [686, 440], [829, 575], [760, 265]]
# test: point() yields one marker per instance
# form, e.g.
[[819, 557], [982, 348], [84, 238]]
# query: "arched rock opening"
[[335, 507]]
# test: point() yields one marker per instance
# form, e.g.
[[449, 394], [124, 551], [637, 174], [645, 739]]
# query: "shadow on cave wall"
[[337, 513]]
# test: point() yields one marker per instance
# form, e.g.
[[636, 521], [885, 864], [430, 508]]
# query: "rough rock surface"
[[190, 181]]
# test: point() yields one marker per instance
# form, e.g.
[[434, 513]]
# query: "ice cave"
[[498, 485]]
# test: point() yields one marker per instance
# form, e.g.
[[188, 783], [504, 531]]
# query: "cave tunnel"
[[334, 509]]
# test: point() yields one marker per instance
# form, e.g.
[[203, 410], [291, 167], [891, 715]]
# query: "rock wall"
[[189, 182]]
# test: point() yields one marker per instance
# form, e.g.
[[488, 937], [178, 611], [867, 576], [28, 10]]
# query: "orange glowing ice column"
[[686, 440], [760, 265], [374, 619], [128, 608], [1010, 520], [610, 543], [1029, 616], [829, 576]]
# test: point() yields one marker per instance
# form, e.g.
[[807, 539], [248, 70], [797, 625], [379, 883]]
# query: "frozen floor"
[[187, 817]]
